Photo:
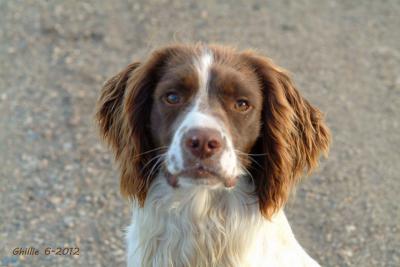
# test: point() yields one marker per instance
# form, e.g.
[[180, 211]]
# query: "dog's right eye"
[[172, 98], [242, 105]]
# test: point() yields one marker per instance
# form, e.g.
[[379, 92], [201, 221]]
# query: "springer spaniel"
[[210, 141]]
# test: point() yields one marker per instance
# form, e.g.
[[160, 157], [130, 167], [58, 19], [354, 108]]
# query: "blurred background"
[[58, 186]]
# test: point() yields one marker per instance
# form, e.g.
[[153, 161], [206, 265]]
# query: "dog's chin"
[[200, 176]]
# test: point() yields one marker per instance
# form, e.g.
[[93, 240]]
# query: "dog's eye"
[[242, 105], [172, 98]]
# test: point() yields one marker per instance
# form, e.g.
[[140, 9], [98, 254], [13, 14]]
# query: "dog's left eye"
[[242, 105], [172, 98]]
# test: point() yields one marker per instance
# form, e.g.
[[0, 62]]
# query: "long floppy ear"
[[123, 114], [110, 108], [293, 136]]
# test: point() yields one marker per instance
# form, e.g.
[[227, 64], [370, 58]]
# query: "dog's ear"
[[123, 114], [110, 108], [293, 136]]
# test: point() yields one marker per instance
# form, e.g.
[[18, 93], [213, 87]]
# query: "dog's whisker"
[[152, 150], [152, 159], [258, 164], [253, 160], [248, 172], [249, 154], [156, 166]]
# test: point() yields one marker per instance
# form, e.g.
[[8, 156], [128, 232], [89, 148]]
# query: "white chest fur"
[[199, 227]]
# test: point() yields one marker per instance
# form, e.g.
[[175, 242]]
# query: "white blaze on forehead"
[[196, 118], [203, 65]]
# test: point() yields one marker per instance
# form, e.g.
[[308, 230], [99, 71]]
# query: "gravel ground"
[[58, 185]]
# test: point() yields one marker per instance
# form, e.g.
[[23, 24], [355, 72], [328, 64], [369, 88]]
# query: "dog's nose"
[[203, 143]]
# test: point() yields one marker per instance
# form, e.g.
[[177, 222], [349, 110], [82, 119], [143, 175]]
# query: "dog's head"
[[208, 116]]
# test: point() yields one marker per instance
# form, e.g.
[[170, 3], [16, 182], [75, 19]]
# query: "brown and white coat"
[[210, 141]]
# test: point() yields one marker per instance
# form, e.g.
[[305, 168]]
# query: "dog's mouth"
[[200, 175]]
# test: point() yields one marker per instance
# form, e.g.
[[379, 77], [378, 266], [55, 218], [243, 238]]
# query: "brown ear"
[[123, 113], [109, 108], [293, 136]]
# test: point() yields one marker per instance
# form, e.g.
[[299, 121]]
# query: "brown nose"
[[203, 143]]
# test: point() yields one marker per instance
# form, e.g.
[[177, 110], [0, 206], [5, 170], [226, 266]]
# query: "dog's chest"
[[196, 228]]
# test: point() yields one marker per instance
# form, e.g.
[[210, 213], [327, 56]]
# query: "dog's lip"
[[199, 172], [202, 173]]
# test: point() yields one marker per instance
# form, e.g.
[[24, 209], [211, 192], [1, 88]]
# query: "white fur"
[[196, 118], [199, 227], [203, 66]]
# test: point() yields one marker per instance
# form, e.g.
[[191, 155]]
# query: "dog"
[[210, 142]]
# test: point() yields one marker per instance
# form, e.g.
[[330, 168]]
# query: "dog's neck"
[[198, 226]]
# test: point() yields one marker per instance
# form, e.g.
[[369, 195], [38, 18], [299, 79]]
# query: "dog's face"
[[208, 116]]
